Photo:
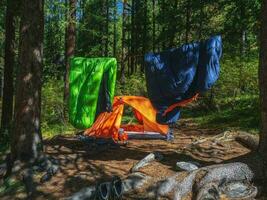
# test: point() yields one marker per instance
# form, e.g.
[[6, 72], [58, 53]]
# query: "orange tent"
[[108, 125]]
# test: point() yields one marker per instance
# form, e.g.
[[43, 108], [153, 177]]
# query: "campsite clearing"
[[83, 165]]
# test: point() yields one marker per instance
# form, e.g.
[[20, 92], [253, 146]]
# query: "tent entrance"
[[132, 125], [109, 124], [128, 116]]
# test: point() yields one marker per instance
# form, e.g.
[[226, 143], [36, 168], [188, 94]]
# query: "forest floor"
[[83, 165]]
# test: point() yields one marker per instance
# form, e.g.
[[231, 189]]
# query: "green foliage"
[[241, 24], [241, 113], [53, 122], [11, 186], [231, 103], [99, 28], [134, 85], [237, 77], [95, 23], [54, 41]]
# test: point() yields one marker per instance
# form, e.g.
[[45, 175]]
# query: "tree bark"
[[132, 38], [115, 28], [144, 35], [7, 104], [26, 140], [263, 82], [187, 28], [153, 25], [201, 19], [70, 45], [123, 51], [172, 27], [163, 25], [107, 28], [135, 5]]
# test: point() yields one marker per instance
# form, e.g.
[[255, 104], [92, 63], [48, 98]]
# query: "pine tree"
[[263, 83], [114, 28], [26, 140], [70, 44], [7, 104], [123, 46]]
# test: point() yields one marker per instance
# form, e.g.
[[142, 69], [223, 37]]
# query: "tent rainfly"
[[108, 124]]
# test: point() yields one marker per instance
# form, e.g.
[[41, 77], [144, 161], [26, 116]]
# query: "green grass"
[[49, 131], [240, 113]]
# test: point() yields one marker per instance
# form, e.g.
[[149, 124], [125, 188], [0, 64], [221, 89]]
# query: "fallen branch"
[[145, 161], [246, 139]]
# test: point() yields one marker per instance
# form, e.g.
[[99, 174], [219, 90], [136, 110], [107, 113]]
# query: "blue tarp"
[[179, 73]]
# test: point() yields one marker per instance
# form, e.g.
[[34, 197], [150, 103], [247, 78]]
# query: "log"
[[222, 181], [248, 140], [202, 183]]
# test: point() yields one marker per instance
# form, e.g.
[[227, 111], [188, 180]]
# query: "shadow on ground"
[[83, 164]]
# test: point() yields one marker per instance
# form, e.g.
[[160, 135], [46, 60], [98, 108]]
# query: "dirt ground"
[[83, 164]]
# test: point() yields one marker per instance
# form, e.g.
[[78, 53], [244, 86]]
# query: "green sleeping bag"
[[92, 86]]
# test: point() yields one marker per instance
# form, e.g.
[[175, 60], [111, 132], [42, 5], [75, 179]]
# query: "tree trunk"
[[107, 28], [115, 29], [242, 48], [144, 35], [7, 104], [172, 27], [135, 6], [187, 28], [129, 43], [132, 37], [158, 28], [123, 51], [70, 45], [153, 26], [163, 26], [242, 31], [26, 140], [263, 83], [102, 26], [201, 19]]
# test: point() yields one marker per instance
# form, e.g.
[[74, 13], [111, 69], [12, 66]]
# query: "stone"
[[186, 166]]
